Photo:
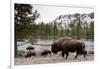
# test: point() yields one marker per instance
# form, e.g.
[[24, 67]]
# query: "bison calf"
[[30, 48], [45, 52], [29, 54]]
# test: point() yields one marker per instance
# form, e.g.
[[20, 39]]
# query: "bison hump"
[[60, 40]]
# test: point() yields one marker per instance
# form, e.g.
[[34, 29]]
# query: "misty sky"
[[49, 13]]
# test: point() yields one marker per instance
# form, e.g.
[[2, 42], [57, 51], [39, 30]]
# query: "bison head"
[[56, 48]]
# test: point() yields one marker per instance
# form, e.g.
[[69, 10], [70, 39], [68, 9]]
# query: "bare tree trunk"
[[16, 52], [15, 44]]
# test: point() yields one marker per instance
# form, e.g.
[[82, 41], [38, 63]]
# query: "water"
[[45, 44], [89, 45]]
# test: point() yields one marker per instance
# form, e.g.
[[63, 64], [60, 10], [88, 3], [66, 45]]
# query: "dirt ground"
[[56, 58]]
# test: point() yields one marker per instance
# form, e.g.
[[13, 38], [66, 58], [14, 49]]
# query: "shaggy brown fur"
[[29, 54], [30, 48], [66, 45], [45, 52]]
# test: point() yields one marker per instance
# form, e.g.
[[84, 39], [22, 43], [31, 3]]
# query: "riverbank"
[[52, 59]]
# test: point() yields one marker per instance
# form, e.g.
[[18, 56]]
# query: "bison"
[[29, 54], [68, 44], [45, 52], [30, 48]]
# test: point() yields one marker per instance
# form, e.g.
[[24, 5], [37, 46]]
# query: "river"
[[41, 45]]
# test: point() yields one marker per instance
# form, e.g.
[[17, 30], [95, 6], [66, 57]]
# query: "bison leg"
[[84, 53], [67, 54], [84, 56], [76, 55], [63, 53]]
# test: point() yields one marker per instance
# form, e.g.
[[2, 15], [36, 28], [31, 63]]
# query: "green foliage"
[[26, 28], [24, 21]]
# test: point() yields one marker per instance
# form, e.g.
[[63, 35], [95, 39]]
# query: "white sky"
[[49, 13]]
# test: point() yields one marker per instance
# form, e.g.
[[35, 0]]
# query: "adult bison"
[[67, 44]]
